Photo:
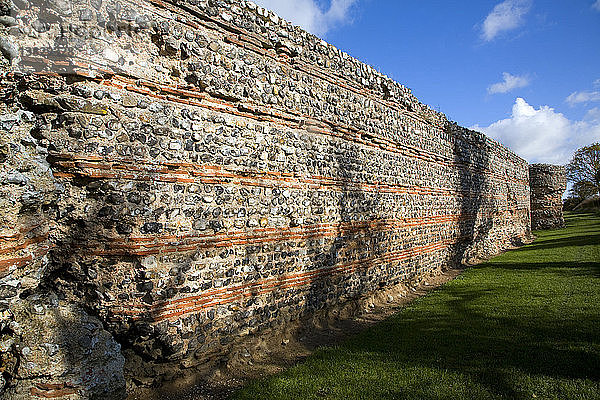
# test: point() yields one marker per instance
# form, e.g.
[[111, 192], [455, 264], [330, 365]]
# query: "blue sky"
[[525, 72]]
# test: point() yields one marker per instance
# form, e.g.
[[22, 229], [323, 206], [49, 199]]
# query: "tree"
[[582, 190], [584, 171]]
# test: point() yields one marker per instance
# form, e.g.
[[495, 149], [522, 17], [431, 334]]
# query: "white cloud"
[[309, 15], [505, 16], [543, 135], [597, 81], [510, 82], [596, 5], [582, 97], [593, 114]]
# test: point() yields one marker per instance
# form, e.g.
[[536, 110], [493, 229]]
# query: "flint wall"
[[193, 173], [548, 184]]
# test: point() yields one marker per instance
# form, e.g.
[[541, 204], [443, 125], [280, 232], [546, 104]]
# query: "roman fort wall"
[[177, 175], [548, 184]]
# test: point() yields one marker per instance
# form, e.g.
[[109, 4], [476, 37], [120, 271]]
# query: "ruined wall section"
[[548, 184], [215, 171], [49, 347]]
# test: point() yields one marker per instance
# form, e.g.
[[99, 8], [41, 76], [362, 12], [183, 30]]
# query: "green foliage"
[[571, 202], [584, 171], [525, 325]]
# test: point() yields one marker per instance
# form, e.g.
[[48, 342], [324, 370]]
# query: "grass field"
[[525, 325]]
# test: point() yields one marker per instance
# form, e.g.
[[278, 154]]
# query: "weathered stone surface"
[[193, 172], [62, 352], [8, 49], [548, 184]]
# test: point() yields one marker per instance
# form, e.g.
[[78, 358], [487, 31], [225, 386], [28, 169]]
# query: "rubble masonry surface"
[[548, 184]]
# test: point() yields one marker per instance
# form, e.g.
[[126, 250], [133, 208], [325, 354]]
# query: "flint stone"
[[86, 15], [129, 101], [21, 4], [62, 6], [40, 26], [7, 20], [96, 4], [151, 227], [9, 50]]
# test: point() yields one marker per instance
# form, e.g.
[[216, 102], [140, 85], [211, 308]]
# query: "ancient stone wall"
[[184, 174], [548, 184]]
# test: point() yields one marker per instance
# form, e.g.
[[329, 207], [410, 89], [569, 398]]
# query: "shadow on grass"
[[583, 240], [485, 346], [566, 269]]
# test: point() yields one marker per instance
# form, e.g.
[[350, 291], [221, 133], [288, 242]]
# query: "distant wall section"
[[548, 184]]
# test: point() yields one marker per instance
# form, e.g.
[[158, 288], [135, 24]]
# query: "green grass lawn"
[[524, 325]]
